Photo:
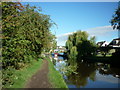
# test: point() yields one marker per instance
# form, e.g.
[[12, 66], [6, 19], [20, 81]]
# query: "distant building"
[[102, 44], [105, 44], [56, 50], [115, 42], [61, 48]]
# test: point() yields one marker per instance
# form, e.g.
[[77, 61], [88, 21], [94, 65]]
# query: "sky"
[[93, 17], [66, 0]]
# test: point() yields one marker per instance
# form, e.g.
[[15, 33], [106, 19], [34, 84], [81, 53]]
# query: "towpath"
[[40, 79]]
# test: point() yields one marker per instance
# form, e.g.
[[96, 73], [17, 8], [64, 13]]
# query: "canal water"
[[89, 75]]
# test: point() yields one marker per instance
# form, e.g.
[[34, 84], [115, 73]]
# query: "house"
[[102, 44], [105, 44], [115, 42], [61, 48]]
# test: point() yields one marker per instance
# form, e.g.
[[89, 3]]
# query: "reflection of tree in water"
[[84, 71], [107, 69]]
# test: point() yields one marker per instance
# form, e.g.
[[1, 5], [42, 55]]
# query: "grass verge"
[[23, 75], [55, 77], [103, 55]]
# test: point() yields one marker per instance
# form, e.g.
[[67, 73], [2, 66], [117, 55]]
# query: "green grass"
[[23, 75], [103, 55], [55, 77]]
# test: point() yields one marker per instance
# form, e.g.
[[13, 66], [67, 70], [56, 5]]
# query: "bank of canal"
[[89, 75]]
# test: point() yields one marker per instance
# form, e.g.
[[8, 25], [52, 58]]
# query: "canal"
[[88, 75]]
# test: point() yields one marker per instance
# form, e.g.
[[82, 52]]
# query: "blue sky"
[[68, 0], [92, 17]]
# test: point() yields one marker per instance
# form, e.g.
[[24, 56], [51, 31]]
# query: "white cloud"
[[99, 32]]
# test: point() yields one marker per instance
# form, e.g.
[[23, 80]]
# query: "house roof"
[[113, 42], [101, 43], [117, 39]]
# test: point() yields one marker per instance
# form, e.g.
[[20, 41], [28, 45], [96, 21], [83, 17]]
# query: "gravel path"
[[40, 79]]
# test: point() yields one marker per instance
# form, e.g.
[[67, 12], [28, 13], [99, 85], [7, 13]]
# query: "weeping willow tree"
[[73, 54], [78, 45]]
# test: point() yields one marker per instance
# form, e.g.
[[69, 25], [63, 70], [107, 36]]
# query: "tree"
[[115, 22], [26, 33], [73, 54], [82, 45], [10, 12]]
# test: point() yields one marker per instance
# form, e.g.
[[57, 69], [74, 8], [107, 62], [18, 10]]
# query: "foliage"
[[71, 68], [115, 21], [25, 35], [116, 18], [78, 45], [7, 77], [18, 78], [73, 53], [104, 51]]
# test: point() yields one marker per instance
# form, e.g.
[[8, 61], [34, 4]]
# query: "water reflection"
[[84, 72], [107, 69], [90, 75]]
